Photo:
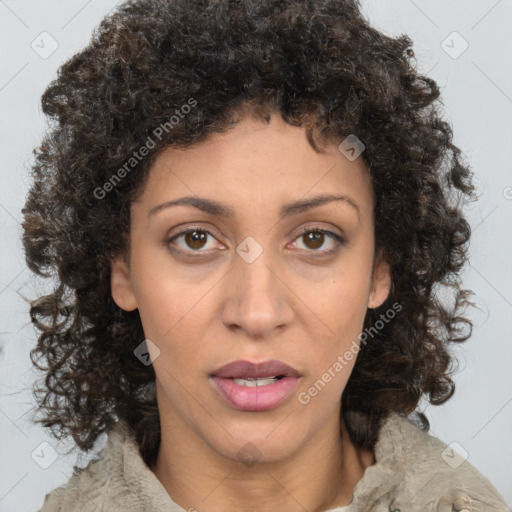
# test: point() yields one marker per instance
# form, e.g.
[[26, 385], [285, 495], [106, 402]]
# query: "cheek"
[[341, 297], [175, 314], [166, 293], [341, 302]]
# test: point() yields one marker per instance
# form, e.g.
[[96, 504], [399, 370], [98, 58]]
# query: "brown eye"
[[312, 239], [195, 239], [191, 240]]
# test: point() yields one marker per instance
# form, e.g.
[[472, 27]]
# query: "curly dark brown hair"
[[319, 64]]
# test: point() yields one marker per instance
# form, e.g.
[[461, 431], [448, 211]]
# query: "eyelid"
[[315, 228]]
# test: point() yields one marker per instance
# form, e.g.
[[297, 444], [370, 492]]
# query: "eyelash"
[[334, 236]]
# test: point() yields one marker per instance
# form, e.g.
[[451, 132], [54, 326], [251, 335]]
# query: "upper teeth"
[[252, 383]]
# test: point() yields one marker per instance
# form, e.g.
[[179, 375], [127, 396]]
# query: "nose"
[[258, 301]]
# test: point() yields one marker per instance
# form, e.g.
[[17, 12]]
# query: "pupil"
[[316, 239], [195, 239]]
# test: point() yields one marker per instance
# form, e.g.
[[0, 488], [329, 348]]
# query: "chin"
[[251, 447]]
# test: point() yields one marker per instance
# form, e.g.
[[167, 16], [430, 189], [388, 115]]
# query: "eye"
[[313, 239], [192, 240], [195, 240]]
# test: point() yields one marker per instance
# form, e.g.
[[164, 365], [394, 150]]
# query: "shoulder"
[[116, 479], [423, 473]]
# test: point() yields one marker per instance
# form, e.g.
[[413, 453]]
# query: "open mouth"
[[249, 386], [257, 382]]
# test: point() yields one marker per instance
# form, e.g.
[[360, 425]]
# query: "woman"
[[251, 209]]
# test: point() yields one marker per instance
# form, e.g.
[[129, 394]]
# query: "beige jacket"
[[414, 471]]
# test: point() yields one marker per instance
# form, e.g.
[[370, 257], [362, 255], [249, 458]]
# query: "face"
[[266, 273]]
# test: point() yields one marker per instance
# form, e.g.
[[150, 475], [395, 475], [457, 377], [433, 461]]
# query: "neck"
[[321, 475]]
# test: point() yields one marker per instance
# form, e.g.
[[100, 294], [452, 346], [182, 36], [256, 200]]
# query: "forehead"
[[257, 165]]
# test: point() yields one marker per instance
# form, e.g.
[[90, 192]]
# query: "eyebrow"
[[292, 208]]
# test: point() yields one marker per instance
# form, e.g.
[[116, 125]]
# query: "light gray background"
[[477, 95]]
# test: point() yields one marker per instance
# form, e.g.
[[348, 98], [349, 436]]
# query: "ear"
[[121, 286], [381, 282]]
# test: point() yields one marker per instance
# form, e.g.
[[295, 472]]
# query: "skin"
[[287, 304]]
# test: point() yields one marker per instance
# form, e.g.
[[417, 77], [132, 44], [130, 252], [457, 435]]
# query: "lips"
[[248, 370], [260, 396]]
